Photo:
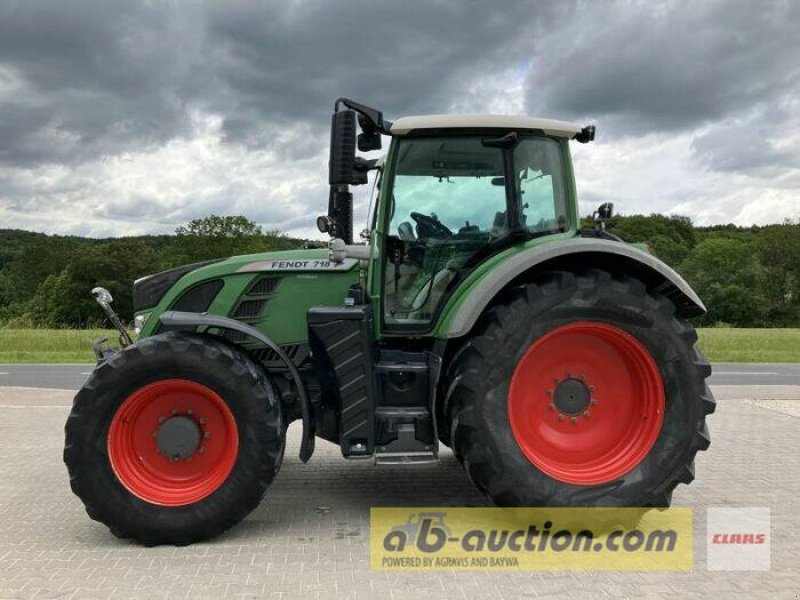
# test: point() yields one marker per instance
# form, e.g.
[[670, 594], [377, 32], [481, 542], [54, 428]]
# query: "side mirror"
[[605, 210], [370, 139], [341, 164]]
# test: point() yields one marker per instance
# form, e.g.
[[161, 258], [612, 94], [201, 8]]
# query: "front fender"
[[188, 321], [472, 297]]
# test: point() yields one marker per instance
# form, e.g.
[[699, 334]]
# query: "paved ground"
[[69, 377], [309, 538], [64, 377]]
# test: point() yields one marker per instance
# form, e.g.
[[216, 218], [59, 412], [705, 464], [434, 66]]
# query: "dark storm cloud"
[[91, 78], [149, 112], [101, 77], [667, 66], [293, 62]]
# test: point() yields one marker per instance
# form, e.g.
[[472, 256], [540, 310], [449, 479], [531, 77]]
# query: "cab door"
[[449, 202]]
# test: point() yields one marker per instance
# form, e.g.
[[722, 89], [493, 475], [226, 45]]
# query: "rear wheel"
[[174, 440], [599, 400]]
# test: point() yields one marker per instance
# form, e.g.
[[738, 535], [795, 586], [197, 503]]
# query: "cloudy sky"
[[126, 117]]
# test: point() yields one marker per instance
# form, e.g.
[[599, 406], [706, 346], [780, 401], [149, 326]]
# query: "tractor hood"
[[291, 260], [271, 290]]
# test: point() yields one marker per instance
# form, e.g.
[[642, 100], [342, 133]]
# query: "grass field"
[[49, 345], [720, 345], [751, 345]]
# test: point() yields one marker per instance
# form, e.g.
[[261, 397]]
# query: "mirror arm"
[[374, 116]]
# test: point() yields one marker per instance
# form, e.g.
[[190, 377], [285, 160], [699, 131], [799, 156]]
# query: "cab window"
[[448, 203]]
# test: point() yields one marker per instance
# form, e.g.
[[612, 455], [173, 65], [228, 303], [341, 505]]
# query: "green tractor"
[[555, 361]]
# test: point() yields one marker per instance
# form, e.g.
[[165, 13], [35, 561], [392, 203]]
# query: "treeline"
[[747, 276], [45, 279]]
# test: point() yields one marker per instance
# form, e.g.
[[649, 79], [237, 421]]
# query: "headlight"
[[139, 322]]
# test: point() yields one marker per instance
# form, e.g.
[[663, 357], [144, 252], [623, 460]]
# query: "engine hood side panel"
[[303, 278]]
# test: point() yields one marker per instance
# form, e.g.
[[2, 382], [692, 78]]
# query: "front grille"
[[265, 285], [199, 298], [148, 291], [249, 309], [237, 337]]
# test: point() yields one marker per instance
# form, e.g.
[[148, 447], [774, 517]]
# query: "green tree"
[[728, 276], [219, 237], [779, 250], [65, 298], [670, 238], [41, 257]]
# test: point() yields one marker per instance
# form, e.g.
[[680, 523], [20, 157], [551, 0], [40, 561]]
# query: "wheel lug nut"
[[551, 407], [586, 414], [202, 421], [574, 420], [560, 417], [174, 411], [206, 435], [592, 401], [549, 392], [189, 412], [161, 419], [591, 388]]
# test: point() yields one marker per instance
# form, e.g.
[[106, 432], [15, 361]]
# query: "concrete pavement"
[[310, 536]]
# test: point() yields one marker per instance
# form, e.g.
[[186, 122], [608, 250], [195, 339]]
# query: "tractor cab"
[[456, 190]]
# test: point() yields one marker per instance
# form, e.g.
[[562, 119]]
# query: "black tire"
[[235, 378], [477, 394]]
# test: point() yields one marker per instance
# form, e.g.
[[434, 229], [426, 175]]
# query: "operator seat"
[[406, 232]]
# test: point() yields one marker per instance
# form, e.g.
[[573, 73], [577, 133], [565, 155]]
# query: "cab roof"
[[405, 125]]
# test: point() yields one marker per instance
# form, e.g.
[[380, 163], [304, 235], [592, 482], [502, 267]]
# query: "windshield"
[[448, 201]]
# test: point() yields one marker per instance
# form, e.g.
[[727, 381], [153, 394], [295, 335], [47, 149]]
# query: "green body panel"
[[475, 279], [284, 317]]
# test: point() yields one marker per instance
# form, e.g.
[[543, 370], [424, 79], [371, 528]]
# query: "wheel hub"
[[178, 437], [572, 397]]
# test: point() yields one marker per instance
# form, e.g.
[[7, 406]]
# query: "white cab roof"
[[404, 125]]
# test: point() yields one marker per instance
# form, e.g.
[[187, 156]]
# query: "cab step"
[[412, 458], [411, 443]]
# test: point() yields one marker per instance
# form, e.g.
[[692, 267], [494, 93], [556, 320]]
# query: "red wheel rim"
[[597, 367], [148, 473]]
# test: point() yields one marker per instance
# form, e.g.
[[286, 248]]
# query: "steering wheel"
[[428, 226]]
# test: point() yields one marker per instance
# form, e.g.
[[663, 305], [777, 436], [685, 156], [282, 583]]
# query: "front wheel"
[[580, 390], [174, 440]]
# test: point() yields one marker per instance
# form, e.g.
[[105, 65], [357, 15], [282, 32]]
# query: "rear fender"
[[468, 303]]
